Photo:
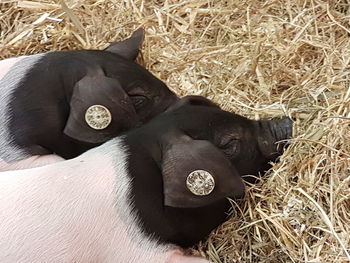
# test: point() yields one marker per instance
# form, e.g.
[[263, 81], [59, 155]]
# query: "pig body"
[[78, 210], [44, 97]]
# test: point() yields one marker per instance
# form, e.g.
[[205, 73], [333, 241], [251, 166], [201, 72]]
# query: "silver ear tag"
[[200, 182], [98, 117]]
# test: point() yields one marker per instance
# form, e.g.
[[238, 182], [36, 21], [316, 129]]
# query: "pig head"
[[186, 162], [69, 101]]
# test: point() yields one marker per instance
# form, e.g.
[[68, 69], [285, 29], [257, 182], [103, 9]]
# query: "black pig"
[[69, 101]]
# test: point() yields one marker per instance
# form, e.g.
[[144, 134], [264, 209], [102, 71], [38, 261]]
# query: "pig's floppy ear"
[[196, 173], [99, 110], [128, 48]]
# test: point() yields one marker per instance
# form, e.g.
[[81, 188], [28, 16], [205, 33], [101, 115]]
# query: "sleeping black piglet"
[[140, 197], [185, 162], [66, 102]]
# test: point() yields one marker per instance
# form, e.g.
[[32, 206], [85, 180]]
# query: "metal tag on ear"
[[98, 117], [200, 182]]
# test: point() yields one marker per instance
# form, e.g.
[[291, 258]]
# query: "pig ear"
[[128, 48], [99, 110], [196, 173], [194, 101]]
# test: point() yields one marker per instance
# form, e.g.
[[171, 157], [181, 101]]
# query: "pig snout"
[[273, 136], [282, 128]]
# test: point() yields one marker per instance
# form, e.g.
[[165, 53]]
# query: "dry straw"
[[261, 59]]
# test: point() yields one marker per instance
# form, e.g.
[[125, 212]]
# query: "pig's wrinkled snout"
[[274, 135], [282, 129]]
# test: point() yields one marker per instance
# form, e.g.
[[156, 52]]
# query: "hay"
[[259, 59]]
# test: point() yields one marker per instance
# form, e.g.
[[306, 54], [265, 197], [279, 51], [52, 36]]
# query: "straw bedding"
[[261, 59]]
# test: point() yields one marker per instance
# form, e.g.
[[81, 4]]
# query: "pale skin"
[[5, 65], [30, 162]]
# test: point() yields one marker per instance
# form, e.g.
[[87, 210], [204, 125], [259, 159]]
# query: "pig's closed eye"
[[230, 146], [138, 101], [228, 142]]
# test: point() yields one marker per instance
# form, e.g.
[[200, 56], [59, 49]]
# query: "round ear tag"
[[200, 182], [98, 117]]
